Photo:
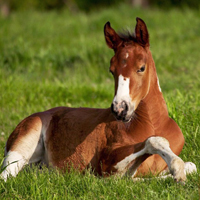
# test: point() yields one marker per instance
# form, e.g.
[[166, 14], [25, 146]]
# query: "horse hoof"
[[177, 170], [190, 168]]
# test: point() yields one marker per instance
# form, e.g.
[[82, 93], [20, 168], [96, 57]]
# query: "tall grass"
[[55, 59]]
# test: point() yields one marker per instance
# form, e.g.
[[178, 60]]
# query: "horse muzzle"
[[120, 111]]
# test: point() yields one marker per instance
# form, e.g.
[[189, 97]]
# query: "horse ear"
[[141, 32], [112, 38]]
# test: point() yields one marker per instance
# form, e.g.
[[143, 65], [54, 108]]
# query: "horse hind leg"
[[24, 146], [12, 164]]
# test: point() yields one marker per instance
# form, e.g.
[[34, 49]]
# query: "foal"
[[136, 136]]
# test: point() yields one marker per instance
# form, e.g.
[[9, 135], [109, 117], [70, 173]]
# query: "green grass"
[[54, 59]]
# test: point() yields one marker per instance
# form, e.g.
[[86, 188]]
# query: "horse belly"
[[68, 145], [70, 155]]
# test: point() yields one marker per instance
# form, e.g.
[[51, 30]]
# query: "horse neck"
[[152, 109]]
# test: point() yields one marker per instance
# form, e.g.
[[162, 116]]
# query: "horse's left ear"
[[112, 38], [141, 32]]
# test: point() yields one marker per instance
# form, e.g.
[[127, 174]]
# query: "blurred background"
[[8, 6]]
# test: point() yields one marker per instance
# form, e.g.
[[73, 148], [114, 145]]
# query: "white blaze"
[[122, 90], [123, 94]]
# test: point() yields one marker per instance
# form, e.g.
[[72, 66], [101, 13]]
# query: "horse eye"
[[141, 69]]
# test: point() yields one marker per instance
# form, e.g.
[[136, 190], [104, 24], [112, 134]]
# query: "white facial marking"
[[13, 163], [122, 90], [127, 55], [123, 94], [159, 84]]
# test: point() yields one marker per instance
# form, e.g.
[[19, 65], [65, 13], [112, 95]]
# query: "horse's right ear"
[[112, 38], [141, 33]]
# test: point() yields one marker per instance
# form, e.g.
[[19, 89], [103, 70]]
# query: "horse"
[[134, 137]]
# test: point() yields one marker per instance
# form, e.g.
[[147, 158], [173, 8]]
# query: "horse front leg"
[[153, 145]]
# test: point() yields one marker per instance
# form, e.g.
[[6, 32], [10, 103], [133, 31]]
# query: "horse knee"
[[155, 143]]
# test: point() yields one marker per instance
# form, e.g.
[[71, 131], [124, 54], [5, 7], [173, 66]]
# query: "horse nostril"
[[124, 106], [119, 110]]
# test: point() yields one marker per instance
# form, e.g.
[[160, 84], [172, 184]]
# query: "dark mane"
[[127, 36]]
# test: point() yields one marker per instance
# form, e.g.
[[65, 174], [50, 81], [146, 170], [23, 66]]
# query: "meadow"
[[50, 59]]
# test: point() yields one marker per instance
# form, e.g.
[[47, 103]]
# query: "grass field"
[[57, 59]]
